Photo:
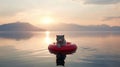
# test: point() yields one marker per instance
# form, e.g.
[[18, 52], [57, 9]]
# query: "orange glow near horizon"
[[47, 20]]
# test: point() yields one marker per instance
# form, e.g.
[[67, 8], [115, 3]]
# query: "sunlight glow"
[[47, 20]]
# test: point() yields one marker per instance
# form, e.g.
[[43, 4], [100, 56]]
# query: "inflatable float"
[[68, 48]]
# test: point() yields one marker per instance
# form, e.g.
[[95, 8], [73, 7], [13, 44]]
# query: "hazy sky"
[[84, 12]]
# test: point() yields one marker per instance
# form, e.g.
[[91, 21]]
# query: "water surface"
[[29, 49]]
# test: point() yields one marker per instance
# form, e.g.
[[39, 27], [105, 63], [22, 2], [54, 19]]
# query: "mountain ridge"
[[76, 27], [19, 26], [22, 26]]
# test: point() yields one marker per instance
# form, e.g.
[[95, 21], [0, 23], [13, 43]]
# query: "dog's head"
[[60, 38]]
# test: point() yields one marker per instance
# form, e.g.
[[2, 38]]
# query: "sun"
[[47, 20]]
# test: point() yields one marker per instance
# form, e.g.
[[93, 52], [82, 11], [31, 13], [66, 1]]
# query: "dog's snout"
[[60, 39]]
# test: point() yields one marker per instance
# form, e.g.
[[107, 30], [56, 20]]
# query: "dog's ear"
[[57, 35], [62, 35]]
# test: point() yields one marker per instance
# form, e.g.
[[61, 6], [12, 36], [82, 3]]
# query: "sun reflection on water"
[[47, 38]]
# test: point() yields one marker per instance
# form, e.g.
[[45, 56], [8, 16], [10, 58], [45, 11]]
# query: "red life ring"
[[67, 49]]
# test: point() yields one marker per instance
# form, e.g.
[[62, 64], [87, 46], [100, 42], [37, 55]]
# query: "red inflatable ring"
[[67, 49]]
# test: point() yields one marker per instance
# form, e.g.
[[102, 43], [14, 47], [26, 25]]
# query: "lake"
[[30, 49]]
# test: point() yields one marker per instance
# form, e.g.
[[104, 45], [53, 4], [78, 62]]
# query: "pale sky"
[[83, 12]]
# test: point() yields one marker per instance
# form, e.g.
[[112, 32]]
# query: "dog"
[[60, 40]]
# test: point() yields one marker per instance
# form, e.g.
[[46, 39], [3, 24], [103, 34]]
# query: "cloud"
[[100, 2], [111, 18], [12, 7]]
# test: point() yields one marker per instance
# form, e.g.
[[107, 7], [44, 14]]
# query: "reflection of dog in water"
[[60, 59], [60, 40]]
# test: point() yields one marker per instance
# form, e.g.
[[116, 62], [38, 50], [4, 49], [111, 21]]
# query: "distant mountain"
[[19, 26], [75, 27]]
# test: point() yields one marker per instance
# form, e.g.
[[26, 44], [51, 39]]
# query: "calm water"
[[95, 49]]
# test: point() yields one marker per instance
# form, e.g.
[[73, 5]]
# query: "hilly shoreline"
[[19, 26], [22, 26]]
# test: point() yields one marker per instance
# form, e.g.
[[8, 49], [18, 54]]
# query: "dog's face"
[[60, 38]]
